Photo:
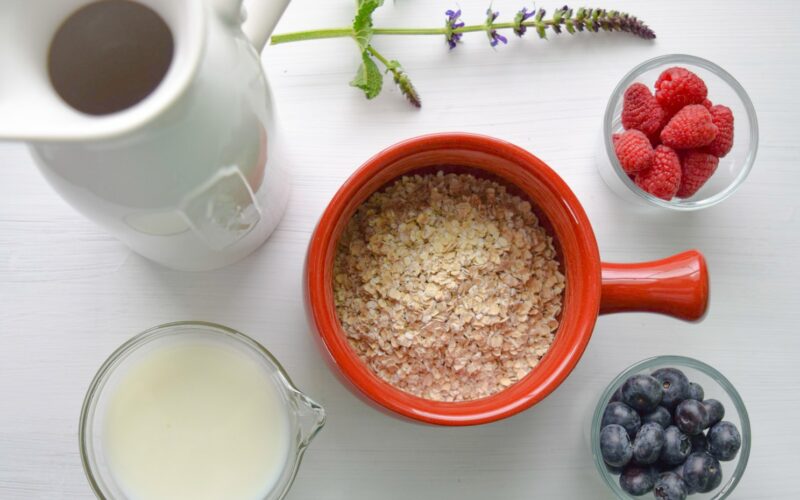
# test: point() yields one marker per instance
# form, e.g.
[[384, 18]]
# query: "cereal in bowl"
[[447, 287]]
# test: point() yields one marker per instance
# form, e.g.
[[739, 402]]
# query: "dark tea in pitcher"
[[109, 55]]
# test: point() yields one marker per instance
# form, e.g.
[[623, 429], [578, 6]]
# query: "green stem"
[[348, 32], [311, 35], [439, 31], [400, 78], [379, 57]]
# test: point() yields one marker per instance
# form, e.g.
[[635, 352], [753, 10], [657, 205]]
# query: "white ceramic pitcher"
[[191, 176]]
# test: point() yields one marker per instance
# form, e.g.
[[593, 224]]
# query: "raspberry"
[[691, 127], [707, 104], [663, 178], [697, 167], [641, 111], [633, 150], [722, 116], [677, 87]]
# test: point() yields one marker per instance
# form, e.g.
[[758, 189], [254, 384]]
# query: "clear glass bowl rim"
[[670, 59], [676, 361], [108, 366]]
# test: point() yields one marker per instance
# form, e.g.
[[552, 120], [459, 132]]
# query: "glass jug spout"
[[310, 417]]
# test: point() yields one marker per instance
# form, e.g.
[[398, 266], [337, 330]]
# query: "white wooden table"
[[70, 294]]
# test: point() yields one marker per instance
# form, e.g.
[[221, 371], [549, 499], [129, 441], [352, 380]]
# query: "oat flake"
[[447, 286]]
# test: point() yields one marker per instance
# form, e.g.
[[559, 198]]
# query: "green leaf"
[[368, 78], [540, 30], [362, 23]]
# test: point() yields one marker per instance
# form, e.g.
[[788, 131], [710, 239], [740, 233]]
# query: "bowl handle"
[[676, 286]]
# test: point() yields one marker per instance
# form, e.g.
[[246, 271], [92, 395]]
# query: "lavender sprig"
[[400, 77], [600, 19], [453, 23], [523, 15], [369, 78], [491, 32]]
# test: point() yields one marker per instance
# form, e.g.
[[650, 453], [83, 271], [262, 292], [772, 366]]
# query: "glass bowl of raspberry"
[[701, 128]]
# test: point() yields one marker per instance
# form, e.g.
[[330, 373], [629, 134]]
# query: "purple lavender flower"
[[521, 17], [494, 36], [452, 23]]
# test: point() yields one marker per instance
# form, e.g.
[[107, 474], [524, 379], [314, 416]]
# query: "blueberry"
[[675, 385], [677, 446], [615, 445], [648, 443], [724, 441], [622, 414], [670, 486], [701, 473], [691, 417], [696, 391], [614, 470], [617, 396], [660, 415], [699, 442], [642, 393], [663, 467], [715, 410], [638, 479]]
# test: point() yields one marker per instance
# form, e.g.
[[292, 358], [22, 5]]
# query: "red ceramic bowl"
[[677, 286]]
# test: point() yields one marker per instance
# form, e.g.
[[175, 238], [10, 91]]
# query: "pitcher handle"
[[676, 286], [262, 17]]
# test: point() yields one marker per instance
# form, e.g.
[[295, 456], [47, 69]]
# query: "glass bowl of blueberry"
[[671, 427]]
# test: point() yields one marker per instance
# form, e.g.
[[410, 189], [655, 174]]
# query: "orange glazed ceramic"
[[677, 286]]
